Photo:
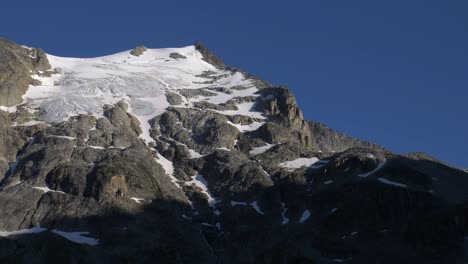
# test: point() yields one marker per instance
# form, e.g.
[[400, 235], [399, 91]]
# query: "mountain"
[[170, 156]]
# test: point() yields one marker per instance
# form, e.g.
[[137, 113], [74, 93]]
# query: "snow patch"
[[262, 149], [305, 216], [256, 207], [298, 163], [168, 168], [246, 128], [234, 203], [283, 214], [397, 184], [137, 200], [47, 189], [64, 137], [96, 147], [244, 109], [201, 183], [29, 123], [77, 237], [33, 230], [380, 166], [12, 109]]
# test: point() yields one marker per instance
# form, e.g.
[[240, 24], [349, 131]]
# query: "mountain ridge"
[[170, 155]]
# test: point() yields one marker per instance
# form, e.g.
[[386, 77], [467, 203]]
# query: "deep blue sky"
[[392, 72]]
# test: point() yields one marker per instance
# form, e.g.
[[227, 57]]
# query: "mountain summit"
[[170, 156]]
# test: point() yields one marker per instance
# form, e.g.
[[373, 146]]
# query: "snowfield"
[[85, 86]]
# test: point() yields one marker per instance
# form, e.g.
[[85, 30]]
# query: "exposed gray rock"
[[199, 130], [219, 107], [173, 98], [191, 93], [328, 140], [138, 50], [209, 57], [232, 176], [176, 56], [17, 64]]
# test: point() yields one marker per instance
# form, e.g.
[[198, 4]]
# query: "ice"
[[380, 166], [33, 230], [305, 216], [298, 163], [383, 180], [77, 237]]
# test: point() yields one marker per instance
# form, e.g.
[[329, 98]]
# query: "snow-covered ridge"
[[85, 85]]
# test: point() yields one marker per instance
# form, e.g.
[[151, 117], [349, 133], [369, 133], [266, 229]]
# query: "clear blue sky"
[[392, 72]]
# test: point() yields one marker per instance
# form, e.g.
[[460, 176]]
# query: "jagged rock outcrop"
[[203, 164], [138, 50], [209, 57]]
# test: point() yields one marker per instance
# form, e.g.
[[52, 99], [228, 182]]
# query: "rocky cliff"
[[170, 156]]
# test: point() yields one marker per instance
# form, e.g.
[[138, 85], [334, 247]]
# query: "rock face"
[[228, 171], [18, 64]]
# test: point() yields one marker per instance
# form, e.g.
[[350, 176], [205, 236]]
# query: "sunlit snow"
[[33, 230], [298, 163], [137, 200], [168, 168], [47, 189], [260, 150]]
